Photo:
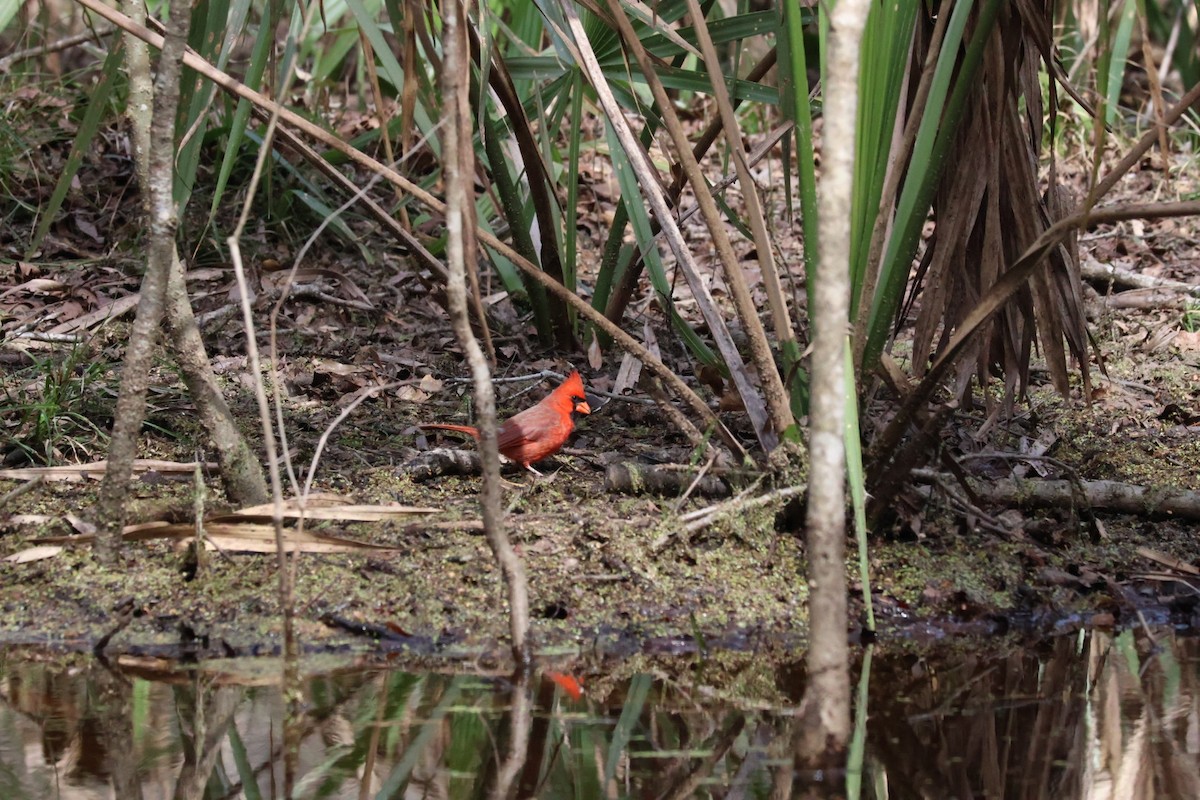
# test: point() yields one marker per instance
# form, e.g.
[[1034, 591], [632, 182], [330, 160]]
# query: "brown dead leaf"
[[1187, 341], [37, 286], [252, 537], [235, 537], [96, 469], [595, 355], [18, 520], [34, 554], [337, 368], [113, 310], [411, 394], [1170, 562], [340, 513]]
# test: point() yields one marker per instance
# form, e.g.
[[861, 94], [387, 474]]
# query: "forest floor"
[[608, 572]]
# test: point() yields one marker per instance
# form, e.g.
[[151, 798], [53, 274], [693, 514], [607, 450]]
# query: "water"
[[1086, 715]]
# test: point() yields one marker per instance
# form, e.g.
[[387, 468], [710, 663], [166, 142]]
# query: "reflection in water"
[[1085, 716], [1088, 716]]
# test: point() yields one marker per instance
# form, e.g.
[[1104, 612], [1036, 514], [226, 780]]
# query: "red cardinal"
[[539, 431]]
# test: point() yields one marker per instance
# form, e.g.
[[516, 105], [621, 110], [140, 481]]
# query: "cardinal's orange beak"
[[582, 407]]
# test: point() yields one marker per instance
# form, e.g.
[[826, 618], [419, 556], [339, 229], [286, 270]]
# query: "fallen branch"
[[1125, 498], [1147, 299], [1093, 270], [668, 480], [442, 461]]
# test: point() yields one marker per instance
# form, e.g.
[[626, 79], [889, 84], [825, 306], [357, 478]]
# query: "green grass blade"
[[519, 214], [139, 709], [794, 96], [723, 31], [331, 58], [432, 727], [614, 259], [856, 755], [1116, 62], [574, 146], [323, 211], [857, 481], [639, 218], [885, 49], [241, 116], [635, 701], [242, 761], [543, 68], [390, 67], [467, 750], [208, 31], [8, 10]]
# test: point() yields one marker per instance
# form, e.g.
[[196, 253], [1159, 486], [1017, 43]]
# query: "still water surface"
[[1087, 715]]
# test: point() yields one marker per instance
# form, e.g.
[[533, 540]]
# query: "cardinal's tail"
[[467, 429]]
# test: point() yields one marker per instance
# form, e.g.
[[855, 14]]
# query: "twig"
[[768, 414], [1147, 299], [331, 427], [694, 434], [58, 45], [757, 155], [965, 507], [125, 610], [38, 336], [740, 504], [27, 486], [712, 459]]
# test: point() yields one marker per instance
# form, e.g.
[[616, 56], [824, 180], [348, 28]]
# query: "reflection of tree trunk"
[[520, 717], [784, 775], [538, 740], [115, 725], [208, 713]]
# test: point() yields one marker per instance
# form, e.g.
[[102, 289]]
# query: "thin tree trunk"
[[460, 252], [131, 402], [241, 469], [827, 699]]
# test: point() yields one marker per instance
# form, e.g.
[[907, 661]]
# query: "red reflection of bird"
[[539, 431]]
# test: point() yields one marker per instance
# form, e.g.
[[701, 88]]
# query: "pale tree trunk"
[[241, 471], [826, 706], [240, 468], [460, 256], [135, 371]]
